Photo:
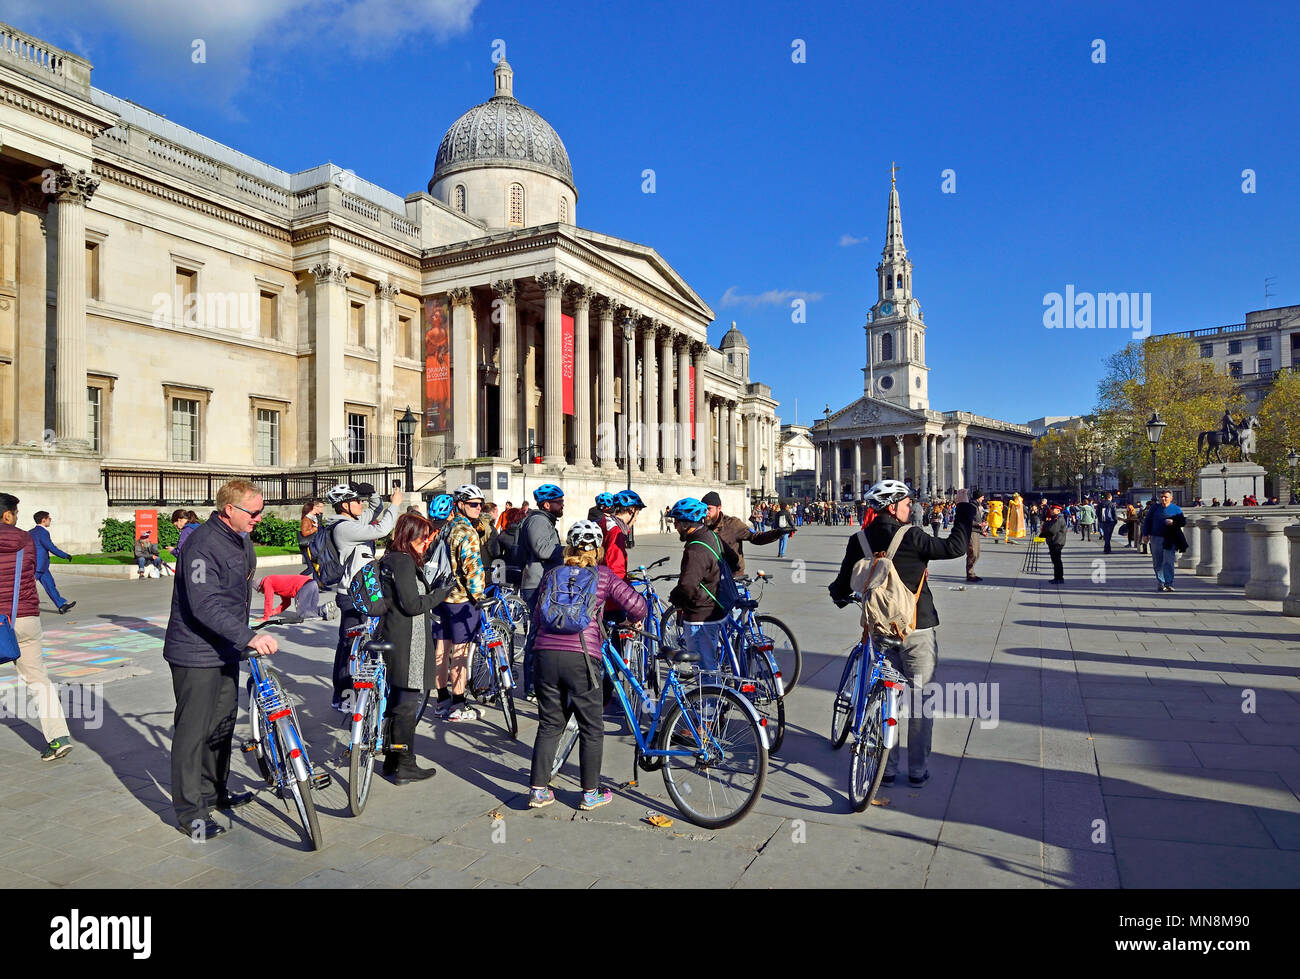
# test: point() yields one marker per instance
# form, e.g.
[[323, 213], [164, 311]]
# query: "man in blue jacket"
[[44, 548], [207, 634], [1163, 527]]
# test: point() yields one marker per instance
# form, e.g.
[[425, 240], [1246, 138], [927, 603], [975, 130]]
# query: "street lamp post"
[[1292, 460], [406, 429], [762, 483], [1078, 478], [1155, 428], [1223, 471], [829, 463], [1099, 470]]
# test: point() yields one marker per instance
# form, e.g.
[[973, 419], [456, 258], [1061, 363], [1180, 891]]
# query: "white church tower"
[[896, 371]]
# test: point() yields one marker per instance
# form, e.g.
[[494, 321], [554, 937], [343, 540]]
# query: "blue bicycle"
[[866, 703], [503, 602], [490, 676], [708, 740], [370, 688], [640, 650]]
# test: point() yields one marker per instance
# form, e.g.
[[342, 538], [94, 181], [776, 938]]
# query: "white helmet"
[[466, 492], [341, 493], [585, 535], [886, 492]]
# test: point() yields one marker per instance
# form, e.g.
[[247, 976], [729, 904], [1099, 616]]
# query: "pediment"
[[869, 413], [645, 263]]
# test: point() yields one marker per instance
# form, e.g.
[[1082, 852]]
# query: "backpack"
[[514, 545], [322, 556], [438, 569], [366, 590], [566, 599], [889, 606], [728, 593]]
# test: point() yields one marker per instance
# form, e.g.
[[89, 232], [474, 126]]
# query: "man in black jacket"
[[695, 593], [207, 634], [919, 654], [1108, 517], [1055, 529]]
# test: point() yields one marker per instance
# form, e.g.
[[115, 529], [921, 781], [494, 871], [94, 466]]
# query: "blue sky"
[[1123, 176]]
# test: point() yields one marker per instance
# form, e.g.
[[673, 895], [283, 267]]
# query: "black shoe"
[[918, 782], [66, 607], [233, 800], [202, 832], [973, 577], [888, 780], [1057, 581], [411, 773]]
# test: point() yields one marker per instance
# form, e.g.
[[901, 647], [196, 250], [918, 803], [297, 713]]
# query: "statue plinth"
[[1230, 481]]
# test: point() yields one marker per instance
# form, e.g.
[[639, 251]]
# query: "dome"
[[733, 338], [502, 132]]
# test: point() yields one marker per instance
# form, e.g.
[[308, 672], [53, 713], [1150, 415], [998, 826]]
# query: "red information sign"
[[146, 520], [566, 363], [437, 365]]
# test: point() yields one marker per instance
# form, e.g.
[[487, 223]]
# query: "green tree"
[[1165, 374], [1279, 420], [1063, 453]]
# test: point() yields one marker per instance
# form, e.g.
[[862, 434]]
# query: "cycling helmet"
[[605, 500], [630, 500], [466, 492], [440, 507], [341, 493], [887, 492], [548, 491], [690, 509], [585, 535]]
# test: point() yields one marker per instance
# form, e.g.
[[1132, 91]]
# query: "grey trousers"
[[916, 660]]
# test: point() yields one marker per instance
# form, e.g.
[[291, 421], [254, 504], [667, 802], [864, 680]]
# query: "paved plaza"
[[1143, 740]]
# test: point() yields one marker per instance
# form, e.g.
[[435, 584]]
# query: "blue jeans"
[[780, 545], [1162, 560], [702, 638], [46, 578]]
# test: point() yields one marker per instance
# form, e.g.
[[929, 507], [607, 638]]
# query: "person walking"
[[207, 633], [1087, 520], [1055, 530], [569, 667], [935, 518], [918, 656], [44, 548], [785, 522], [1163, 527], [18, 600], [979, 529], [1108, 518]]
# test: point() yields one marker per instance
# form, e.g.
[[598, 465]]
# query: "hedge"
[[119, 535]]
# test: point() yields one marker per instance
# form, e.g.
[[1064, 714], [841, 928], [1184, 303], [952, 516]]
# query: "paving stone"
[[1072, 867], [1185, 820], [1269, 758], [1168, 866], [552, 878], [1134, 751], [960, 866]]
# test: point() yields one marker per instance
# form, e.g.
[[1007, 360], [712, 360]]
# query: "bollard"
[[1211, 547], [1270, 565], [1236, 552], [1187, 560], [1291, 603]]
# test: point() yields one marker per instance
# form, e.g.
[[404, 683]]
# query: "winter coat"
[[611, 590], [407, 624], [13, 540], [700, 571], [1055, 530], [208, 626], [733, 532], [542, 545]]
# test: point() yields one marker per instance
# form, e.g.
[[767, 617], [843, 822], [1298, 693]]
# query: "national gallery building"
[[174, 312]]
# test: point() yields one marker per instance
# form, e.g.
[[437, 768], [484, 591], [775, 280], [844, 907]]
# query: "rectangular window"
[[95, 417], [405, 337], [1207, 350], [185, 430], [1234, 368], [92, 270], [356, 437], [1265, 364], [1234, 346], [186, 285], [403, 448], [268, 437], [1264, 343], [357, 325], [270, 313]]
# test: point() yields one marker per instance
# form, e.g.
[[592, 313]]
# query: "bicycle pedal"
[[397, 747], [322, 781], [248, 746]]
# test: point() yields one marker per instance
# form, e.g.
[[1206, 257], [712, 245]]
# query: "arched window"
[[899, 283], [916, 346], [516, 216], [889, 282], [886, 346], [458, 199], [564, 210]]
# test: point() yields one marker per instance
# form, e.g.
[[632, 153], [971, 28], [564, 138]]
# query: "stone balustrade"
[[1211, 546], [1188, 559], [1270, 567], [1235, 570]]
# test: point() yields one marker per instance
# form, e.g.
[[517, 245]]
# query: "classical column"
[[667, 423], [329, 335], [605, 440], [923, 469], [553, 284], [857, 469], [582, 295], [464, 374], [528, 386], [386, 295], [700, 464], [880, 460], [900, 464], [649, 406], [683, 431], [508, 416], [29, 369], [835, 471], [731, 440], [717, 445], [73, 188]]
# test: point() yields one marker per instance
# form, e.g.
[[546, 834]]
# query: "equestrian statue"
[[1230, 433]]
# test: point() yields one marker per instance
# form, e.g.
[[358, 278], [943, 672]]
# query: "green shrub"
[[119, 535], [276, 532]]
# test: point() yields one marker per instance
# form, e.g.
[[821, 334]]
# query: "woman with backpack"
[[407, 625], [569, 669]]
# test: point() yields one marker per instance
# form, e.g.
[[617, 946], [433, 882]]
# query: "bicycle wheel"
[[785, 649], [869, 753], [671, 637], [361, 767], [502, 628], [770, 706], [506, 701], [568, 738], [301, 793], [714, 791], [257, 729], [519, 619], [842, 709]]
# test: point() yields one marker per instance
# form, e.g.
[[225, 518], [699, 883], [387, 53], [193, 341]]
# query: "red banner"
[[437, 365], [566, 364], [692, 399], [146, 520]]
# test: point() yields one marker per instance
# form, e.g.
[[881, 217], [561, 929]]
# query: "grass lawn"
[[127, 557]]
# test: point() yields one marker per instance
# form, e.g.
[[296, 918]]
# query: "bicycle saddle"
[[682, 656], [379, 647]]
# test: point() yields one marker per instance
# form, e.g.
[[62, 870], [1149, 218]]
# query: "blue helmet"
[[440, 507], [548, 491], [690, 509], [605, 500], [630, 500]]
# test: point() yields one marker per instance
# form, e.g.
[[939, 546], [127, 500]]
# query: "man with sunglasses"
[[361, 518], [207, 634]]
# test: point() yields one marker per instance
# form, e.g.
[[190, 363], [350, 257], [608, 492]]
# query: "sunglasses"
[[252, 513], [474, 503]]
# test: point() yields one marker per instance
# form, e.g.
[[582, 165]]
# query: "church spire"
[[894, 249]]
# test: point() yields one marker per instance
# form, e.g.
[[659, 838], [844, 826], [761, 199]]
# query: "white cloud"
[[772, 297], [848, 241]]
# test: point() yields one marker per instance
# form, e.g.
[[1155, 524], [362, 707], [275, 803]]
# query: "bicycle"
[[639, 654], [507, 605], [370, 683], [497, 678], [277, 742], [866, 703], [722, 765]]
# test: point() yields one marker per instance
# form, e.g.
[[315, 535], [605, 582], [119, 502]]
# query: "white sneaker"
[[464, 713]]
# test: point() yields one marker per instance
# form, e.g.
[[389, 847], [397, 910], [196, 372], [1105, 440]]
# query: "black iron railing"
[[160, 487]]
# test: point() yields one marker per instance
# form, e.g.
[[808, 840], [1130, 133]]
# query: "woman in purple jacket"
[[569, 668]]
